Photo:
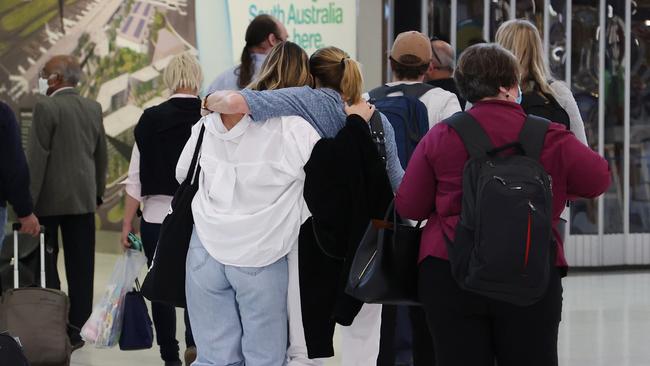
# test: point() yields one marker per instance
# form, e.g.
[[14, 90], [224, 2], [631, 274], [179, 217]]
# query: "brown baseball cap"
[[414, 44]]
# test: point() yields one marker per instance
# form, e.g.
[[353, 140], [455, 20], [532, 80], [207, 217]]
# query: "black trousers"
[[470, 329], [78, 234], [164, 315], [405, 337]]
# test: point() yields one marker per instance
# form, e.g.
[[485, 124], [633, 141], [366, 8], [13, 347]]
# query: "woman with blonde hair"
[[522, 38], [160, 135], [247, 215], [339, 85]]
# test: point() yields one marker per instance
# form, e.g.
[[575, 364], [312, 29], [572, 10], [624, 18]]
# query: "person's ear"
[[273, 40], [431, 68], [504, 91], [56, 80]]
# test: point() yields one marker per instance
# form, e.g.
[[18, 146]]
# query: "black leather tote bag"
[[165, 281], [385, 266]]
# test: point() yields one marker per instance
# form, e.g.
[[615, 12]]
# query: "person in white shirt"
[[410, 58], [247, 214], [262, 34], [160, 135]]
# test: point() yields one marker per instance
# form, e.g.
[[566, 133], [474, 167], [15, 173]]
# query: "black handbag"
[[165, 281], [385, 266], [137, 330]]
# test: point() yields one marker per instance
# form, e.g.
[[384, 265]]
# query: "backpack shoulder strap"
[[377, 134], [411, 90], [476, 141], [416, 90], [532, 136], [380, 92]]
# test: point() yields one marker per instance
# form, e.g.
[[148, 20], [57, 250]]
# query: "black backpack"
[[406, 113], [544, 105], [503, 247]]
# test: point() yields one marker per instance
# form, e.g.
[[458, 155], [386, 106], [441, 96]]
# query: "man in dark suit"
[[68, 161], [441, 69]]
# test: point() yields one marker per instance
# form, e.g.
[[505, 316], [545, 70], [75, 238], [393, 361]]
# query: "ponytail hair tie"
[[343, 60]]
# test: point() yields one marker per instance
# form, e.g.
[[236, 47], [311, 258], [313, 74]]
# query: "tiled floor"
[[606, 322]]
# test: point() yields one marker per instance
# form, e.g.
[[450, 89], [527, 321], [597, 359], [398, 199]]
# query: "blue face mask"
[[518, 99]]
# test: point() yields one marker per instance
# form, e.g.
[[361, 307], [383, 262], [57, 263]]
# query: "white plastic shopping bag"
[[105, 323]]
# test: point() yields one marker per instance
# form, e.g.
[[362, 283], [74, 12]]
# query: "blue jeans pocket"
[[198, 257], [254, 271], [251, 271]]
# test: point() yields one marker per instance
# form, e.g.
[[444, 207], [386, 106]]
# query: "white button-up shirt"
[[249, 206]]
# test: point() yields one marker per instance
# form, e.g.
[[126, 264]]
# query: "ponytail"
[[257, 32], [246, 69], [351, 81], [333, 68]]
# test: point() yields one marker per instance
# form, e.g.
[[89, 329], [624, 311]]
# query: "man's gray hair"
[[69, 70], [445, 53]]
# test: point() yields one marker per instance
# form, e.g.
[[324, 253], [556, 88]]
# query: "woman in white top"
[[161, 134], [522, 38], [247, 214]]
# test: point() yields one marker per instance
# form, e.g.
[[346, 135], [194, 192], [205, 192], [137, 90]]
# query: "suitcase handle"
[[16, 226]]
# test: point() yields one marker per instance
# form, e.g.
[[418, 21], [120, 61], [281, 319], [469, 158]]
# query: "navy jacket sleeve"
[[14, 174]]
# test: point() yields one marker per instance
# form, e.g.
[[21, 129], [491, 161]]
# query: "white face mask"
[[43, 86]]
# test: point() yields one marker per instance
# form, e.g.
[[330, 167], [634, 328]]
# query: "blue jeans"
[[238, 314], [3, 223]]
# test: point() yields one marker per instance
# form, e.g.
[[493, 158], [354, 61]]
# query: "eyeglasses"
[[433, 39]]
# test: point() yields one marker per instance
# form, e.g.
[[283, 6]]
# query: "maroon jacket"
[[431, 188]]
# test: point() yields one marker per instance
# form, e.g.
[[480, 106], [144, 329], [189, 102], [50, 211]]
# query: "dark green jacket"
[[67, 154]]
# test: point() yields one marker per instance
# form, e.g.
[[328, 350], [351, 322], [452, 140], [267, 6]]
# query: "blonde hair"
[[333, 68], [522, 38], [287, 65], [183, 71]]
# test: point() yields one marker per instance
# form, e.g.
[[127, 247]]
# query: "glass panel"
[[440, 18], [532, 10], [499, 13], [557, 39], [614, 113], [470, 24], [640, 119], [584, 83]]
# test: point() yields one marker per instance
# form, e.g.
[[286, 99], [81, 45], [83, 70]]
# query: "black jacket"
[[161, 134], [450, 86], [14, 174], [346, 185]]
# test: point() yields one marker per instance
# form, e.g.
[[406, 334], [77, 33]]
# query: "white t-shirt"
[[249, 206], [439, 102]]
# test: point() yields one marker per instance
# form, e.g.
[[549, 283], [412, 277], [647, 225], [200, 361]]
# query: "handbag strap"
[[389, 210], [194, 165], [137, 284]]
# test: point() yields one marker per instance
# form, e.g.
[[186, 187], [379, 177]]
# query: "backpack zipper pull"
[[532, 207], [503, 181]]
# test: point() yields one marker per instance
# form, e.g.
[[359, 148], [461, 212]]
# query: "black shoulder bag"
[[165, 281], [385, 265]]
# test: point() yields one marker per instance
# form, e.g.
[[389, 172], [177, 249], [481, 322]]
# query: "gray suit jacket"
[[67, 154]]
